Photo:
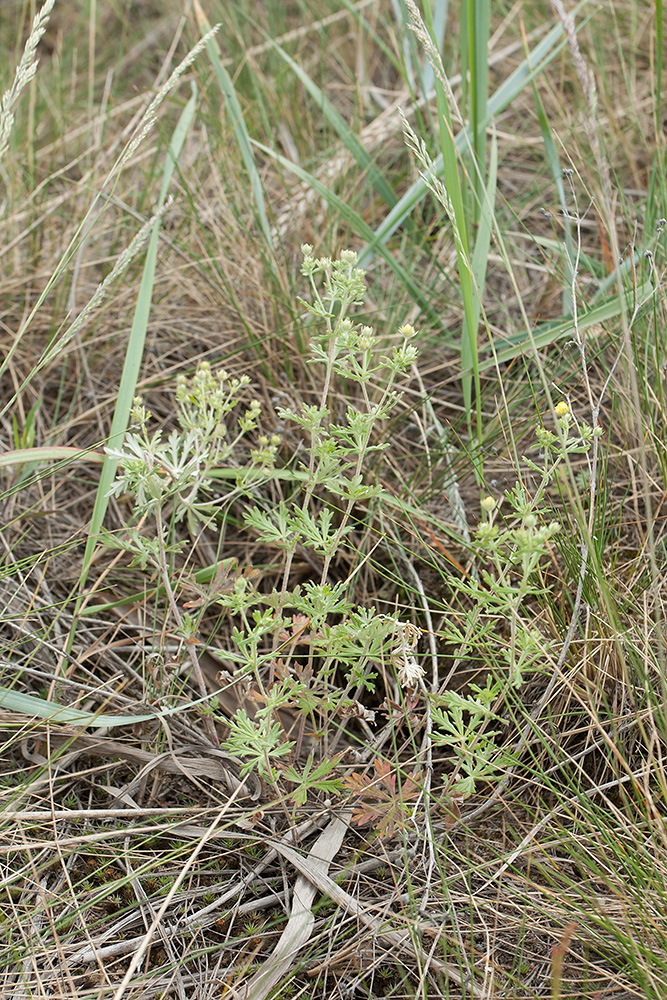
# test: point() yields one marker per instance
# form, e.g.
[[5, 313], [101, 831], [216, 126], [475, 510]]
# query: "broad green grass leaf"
[[239, 126], [54, 453], [480, 255], [549, 333], [28, 704], [135, 346], [469, 350]]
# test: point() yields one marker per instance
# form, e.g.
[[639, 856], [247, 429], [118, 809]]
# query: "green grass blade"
[[342, 129], [478, 48], [557, 175], [439, 11], [480, 255], [657, 187], [659, 58], [135, 345], [239, 127], [454, 198], [28, 704], [549, 333], [407, 44], [53, 453], [539, 58]]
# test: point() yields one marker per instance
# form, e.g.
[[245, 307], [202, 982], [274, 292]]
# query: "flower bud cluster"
[[264, 455]]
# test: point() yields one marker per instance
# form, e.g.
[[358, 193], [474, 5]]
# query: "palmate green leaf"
[[272, 529], [314, 779], [255, 743], [316, 531]]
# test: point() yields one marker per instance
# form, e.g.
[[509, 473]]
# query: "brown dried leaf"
[[384, 805]]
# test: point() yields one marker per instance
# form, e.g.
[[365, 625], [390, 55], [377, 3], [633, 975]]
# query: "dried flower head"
[[409, 672]]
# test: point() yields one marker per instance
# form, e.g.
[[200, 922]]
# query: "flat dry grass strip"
[[47, 816], [300, 924], [188, 761]]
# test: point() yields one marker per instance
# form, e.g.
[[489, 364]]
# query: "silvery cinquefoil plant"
[[173, 478], [498, 599], [344, 643], [308, 647]]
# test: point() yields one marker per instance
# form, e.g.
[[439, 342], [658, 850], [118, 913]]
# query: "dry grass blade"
[[300, 924], [401, 941]]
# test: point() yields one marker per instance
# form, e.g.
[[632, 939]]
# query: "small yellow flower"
[[407, 330], [488, 504], [562, 409]]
